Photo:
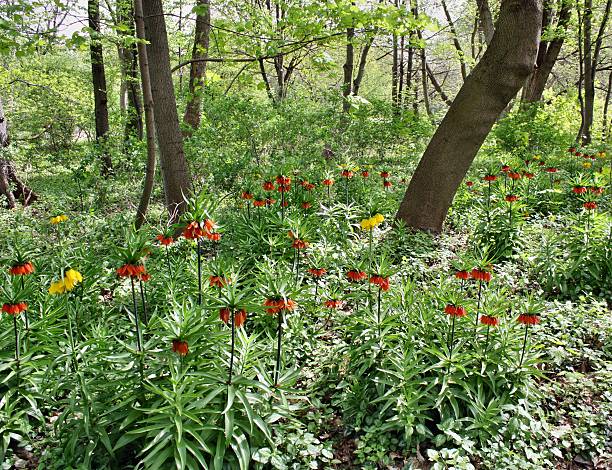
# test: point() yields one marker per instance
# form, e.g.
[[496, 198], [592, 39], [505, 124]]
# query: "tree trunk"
[[99, 83], [605, 127], [177, 182], [4, 135], [363, 60], [347, 81], [456, 43], [197, 74], [128, 58], [589, 81], [486, 20], [437, 86], [548, 53], [149, 116], [494, 81]]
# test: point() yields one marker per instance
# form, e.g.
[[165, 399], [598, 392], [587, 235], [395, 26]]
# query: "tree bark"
[[98, 76], [149, 116], [197, 73], [347, 80], [548, 53], [175, 172], [494, 81]]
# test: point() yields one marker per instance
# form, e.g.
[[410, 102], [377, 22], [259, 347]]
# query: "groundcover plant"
[[265, 262]]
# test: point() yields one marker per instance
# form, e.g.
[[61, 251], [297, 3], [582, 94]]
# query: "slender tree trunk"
[[197, 74], [456, 43], [264, 76], [363, 60], [128, 58], [347, 81], [589, 82], [175, 172], [486, 20], [437, 86], [149, 115], [548, 53], [395, 72], [409, 72], [98, 76], [424, 82], [494, 81], [605, 125], [581, 72], [4, 135]]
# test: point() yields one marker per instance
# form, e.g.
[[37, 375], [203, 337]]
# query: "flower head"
[[463, 275], [590, 205], [381, 281], [511, 198], [268, 186], [328, 182], [22, 269], [131, 270], [489, 320], [164, 240], [333, 304], [14, 308], [455, 310], [317, 272], [527, 319], [355, 275], [58, 219], [490, 177], [70, 280], [180, 347], [481, 275], [275, 305]]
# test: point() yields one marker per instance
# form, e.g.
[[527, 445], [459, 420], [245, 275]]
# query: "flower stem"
[[143, 299], [378, 313], [16, 339], [278, 346], [231, 366], [478, 305], [524, 345], [199, 247], [168, 261], [136, 315]]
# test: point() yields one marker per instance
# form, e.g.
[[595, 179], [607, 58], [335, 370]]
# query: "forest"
[[305, 234]]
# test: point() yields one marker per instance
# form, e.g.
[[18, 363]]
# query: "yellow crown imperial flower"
[[58, 219], [71, 278], [586, 165]]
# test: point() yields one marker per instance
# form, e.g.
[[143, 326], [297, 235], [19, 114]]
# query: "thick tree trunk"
[[494, 81], [149, 116], [98, 76], [197, 73], [177, 182], [347, 80], [548, 53]]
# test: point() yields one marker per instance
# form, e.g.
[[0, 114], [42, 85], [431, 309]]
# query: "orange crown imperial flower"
[[299, 244], [317, 272], [354, 275], [526, 319], [333, 303], [14, 308], [131, 270], [489, 320], [180, 347], [21, 269], [164, 240], [381, 281]]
